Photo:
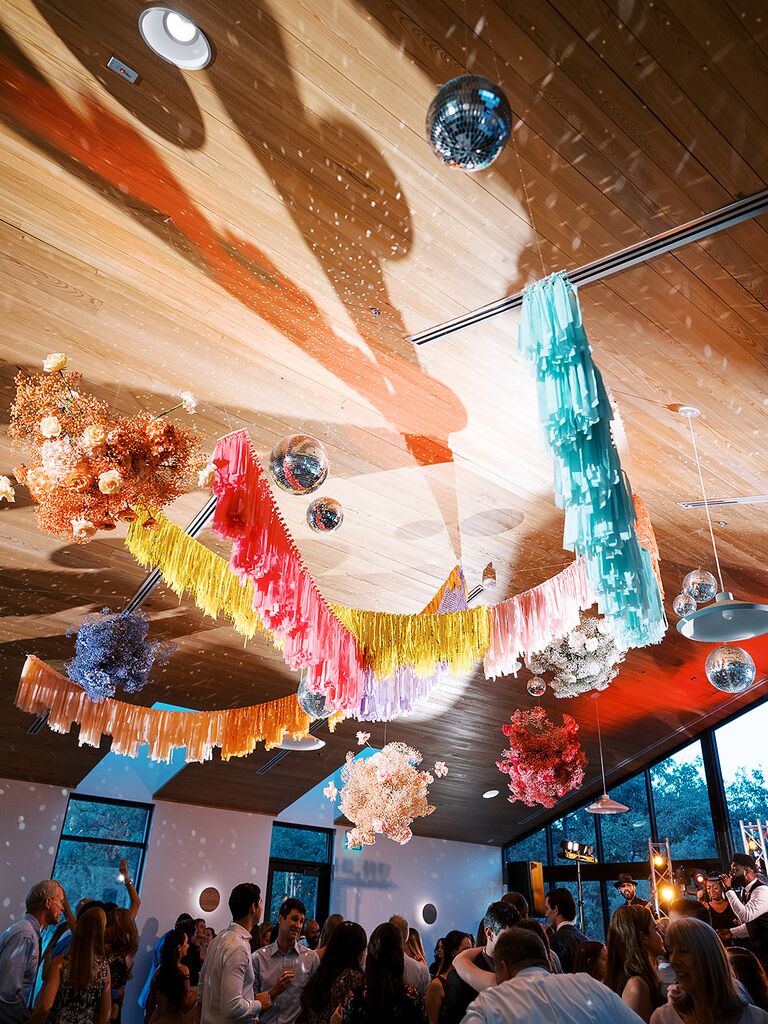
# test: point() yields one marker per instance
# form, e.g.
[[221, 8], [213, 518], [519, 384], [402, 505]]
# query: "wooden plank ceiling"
[[232, 231]]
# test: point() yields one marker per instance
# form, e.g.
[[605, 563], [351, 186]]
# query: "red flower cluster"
[[86, 468], [544, 761]]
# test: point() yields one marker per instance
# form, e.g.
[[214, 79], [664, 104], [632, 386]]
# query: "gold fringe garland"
[[235, 730], [187, 566], [457, 639]]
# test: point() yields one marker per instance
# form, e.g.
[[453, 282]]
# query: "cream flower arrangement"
[[384, 793], [585, 659]]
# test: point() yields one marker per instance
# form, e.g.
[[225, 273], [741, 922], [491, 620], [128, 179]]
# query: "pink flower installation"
[[544, 761]]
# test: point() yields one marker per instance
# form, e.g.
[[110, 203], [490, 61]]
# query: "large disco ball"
[[325, 515], [684, 605], [310, 702], [730, 669], [298, 464], [537, 687], [701, 585], [469, 122]]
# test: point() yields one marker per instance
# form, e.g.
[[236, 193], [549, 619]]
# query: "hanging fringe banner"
[[589, 484], [531, 620], [236, 731], [285, 596]]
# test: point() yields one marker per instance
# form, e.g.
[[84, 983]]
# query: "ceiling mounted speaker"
[[175, 38], [725, 621]]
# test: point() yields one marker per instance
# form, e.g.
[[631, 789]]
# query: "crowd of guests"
[[691, 967]]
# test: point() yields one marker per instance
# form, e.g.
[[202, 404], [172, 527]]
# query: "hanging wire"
[[706, 503], [600, 743]]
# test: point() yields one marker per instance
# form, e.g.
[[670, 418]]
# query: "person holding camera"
[[751, 908]]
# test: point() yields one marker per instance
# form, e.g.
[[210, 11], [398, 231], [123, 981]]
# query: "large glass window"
[[97, 834], [743, 756], [532, 848], [681, 800], [299, 866], [625, 836]]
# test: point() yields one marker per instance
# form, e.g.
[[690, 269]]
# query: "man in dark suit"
[[457, 994], [560, 908]]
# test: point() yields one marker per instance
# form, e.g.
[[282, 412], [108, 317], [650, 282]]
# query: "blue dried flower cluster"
[[112, 652]]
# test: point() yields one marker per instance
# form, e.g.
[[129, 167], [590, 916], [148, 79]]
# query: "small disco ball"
[[469, 122], [298, 464], [537, 686], [701, 585], [683, 605], [730, 669], [325, 515], [310, 702]]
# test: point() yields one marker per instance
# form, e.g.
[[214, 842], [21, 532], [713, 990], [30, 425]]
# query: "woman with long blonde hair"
[[706, 990], [414, 947], [77, 988], [633, 945]]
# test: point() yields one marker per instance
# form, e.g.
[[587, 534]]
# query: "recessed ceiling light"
[[175, 38], [489, 794], [308, 743]]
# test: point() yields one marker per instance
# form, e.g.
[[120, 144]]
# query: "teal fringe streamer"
[[589, 482]]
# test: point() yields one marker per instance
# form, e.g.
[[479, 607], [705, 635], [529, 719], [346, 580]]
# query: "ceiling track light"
[[175, 38]]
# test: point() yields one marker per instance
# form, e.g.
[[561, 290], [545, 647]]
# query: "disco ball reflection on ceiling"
[[469, 122]]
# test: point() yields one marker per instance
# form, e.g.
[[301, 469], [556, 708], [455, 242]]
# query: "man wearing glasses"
[[20, 950]]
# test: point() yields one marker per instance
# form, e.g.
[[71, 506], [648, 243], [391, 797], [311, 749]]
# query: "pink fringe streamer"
[[286, 597], [529, 621]]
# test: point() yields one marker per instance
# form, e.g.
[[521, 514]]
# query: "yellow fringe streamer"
[[187, 566], [235, 730], [457, 639]]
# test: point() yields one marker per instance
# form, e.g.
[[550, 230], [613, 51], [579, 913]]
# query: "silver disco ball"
[[730, 669], [684, 605], [701, 585], [469, 122], [536, 686], [312, 703]]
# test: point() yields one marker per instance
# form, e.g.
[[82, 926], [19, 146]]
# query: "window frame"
[[103, 841], [322, 870]]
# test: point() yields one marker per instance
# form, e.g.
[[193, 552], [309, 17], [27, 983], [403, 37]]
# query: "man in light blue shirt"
[[20, 950], [285, 966]]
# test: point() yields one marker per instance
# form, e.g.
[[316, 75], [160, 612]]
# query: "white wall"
[[31, 816]]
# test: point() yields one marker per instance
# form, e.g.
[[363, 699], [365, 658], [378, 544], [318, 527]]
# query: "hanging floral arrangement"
[[85, 467], [112, 652], [384, 793], [586, 658], [544, 761]]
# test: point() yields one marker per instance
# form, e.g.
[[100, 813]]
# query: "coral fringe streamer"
[[646, 537], [235, 730], [285, 596], [531, 620]]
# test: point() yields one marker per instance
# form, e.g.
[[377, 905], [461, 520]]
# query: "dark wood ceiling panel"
[[230, 232]]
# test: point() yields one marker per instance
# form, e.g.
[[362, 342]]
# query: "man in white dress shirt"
[[527, 993], [751, 909], [415, 973], [225, 991]]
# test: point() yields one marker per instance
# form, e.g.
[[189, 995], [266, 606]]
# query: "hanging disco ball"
[[298, 464], [469, 122], [730, 669], [701, 585], [683, 605], [325, 515], [537, 686], [310, 702]]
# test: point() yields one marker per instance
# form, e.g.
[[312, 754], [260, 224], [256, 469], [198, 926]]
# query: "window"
[[96, 835], [300, 866], [625, 836], [681, 799], [746, 789], [532, 848], [576, 825]]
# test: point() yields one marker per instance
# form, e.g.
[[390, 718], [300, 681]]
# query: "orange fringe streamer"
[[235, 730], [647, 538]]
